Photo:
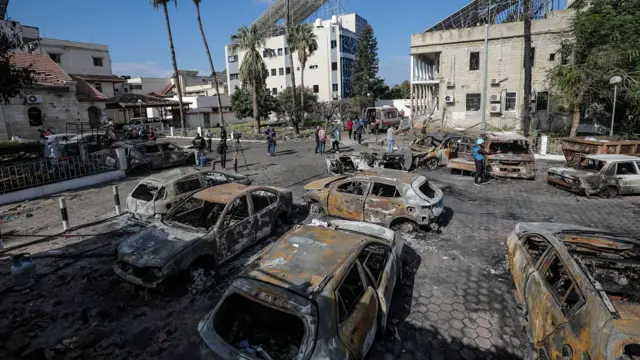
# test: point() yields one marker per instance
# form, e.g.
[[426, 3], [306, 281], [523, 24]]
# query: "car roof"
[[389, 175], [222, 194], [304, 259], [170, 176], [613, 157]]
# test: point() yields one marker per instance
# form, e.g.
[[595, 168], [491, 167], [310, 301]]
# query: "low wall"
[[48, 189]]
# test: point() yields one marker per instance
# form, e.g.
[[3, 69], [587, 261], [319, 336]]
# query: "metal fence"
[[554, 146], [49, 170]]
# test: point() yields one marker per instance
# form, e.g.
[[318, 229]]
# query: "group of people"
[[321, 139], [142, 132], [358, 126], [202, 144]]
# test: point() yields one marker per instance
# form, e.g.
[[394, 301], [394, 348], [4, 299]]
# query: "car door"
[[628, 177], [524, 255], [265, 206], [357, 312], [380, 265], [346, 199], [235, 229], [554, 296], [153, 155], [181, 189], [383, 203]]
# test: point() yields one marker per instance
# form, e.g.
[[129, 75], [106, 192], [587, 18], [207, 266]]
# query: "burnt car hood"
[[322, 183], [512, 157], [154, 246], [570, 173]]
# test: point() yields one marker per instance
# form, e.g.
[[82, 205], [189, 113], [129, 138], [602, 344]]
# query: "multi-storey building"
[[329, 70]]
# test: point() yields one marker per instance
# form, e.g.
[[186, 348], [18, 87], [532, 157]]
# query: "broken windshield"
[[144, 192], [510, 147], [196, 213], [591, 165]]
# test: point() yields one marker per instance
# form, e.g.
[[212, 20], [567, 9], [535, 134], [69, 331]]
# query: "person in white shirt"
[[391, 132]]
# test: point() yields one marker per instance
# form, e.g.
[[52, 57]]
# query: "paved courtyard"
[[455, 301]]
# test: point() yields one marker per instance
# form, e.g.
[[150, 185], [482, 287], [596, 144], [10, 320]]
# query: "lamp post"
[[140, 105], [614, 80]]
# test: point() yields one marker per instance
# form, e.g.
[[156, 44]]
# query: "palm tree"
[[306, 45], [156, 4], [290, 35], [213, 70], [253, 71]]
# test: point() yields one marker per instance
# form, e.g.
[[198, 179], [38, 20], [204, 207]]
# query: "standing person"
[[350, 127], [271, 142], [391, 132], [322, 137], [267, 133], [221, 149], [208, 135], [336, 139], [359, 130], [223, 134], [479, 155], [154, 135], [317, 138], [198, 146]]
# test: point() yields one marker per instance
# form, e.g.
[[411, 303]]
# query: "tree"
[[605, 43], [213, 70], [405, 87], [287, 109], [13, 78], [365, 76], [253, 71], [526, 112], [292, 41], [157, 4], [242, 103], [327, 110], [306, 45]]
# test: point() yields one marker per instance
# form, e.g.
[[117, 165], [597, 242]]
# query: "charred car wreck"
[[391, 198], [606, 175], [580, 290], [350, 164], [213, 224], [319, 292]]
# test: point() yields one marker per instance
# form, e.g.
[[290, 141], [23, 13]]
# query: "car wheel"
[[316, 208], [432, 164], [406, 227], [609, 192]]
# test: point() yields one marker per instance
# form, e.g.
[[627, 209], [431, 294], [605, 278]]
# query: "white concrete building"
[[328, 71], [447, 62]]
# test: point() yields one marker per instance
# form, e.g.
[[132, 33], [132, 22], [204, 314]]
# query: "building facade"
[[447, 68], [329, 70]]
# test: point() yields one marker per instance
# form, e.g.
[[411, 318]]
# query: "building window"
[[510, 101], [474, 61], [281, 71], [334, 66], [274, 91], [552, 57], [473, 102], [136, 87], [532, 57], [233, 58], [56, 57], [35, 116], [334, 44], [316, 89], [564, 59], [273, 72], [313, 67], [334, 87], [542, 101], [286, 51], [234, 76], [266, 53], [288, 70], [98, 86], [280, 52], [97, 61]]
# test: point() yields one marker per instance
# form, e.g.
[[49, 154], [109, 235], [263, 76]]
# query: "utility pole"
[[483, 103], [526, 111]]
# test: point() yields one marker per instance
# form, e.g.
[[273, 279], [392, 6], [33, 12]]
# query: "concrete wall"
[[77, 57], [505, 65], [58, 108]]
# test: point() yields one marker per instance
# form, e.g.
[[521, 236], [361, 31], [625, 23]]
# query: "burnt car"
[[606, 175], [350, 164], [158, 193], [213, 224], [579, 288], [150, 155], [319, 292], [391, 198], [437, 149], [515, 160]]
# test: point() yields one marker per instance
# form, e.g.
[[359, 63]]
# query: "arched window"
[[35, 116]]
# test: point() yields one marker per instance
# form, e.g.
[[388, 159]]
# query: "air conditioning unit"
[[33, 99], [495, 108], [495, 98], [495, 82], [334, 96], [450, 83], [449, 99]]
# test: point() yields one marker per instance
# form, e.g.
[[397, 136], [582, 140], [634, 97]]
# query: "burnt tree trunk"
[[175, 67], [526, 111], [213, 70]]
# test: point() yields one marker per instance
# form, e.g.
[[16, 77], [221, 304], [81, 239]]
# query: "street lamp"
[[614, 80], [140, 105]]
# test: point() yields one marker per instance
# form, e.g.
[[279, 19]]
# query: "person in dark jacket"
[[198, 146], [222, 151], [317, 139]]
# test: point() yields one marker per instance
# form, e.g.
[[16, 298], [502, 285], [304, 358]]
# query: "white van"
[[387, 115]]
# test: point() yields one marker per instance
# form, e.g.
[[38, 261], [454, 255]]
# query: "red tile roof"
[[47, 72], [86, 92], [100, 78]]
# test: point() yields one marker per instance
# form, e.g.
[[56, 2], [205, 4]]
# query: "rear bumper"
[[576, 189]]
